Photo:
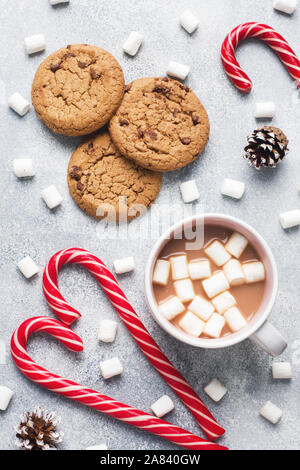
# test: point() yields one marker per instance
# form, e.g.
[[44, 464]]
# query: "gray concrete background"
[[29, 228]]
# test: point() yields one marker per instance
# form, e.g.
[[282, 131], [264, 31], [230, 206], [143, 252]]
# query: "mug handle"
[[269, 339]]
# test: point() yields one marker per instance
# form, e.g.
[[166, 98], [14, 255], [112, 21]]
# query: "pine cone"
[[266, 147], [37, 430]]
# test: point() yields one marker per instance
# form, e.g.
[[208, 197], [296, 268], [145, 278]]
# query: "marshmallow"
[[184, 289], [191, 324], [199, 269], [286, 6], [254, 272], [189, 191], [177, 70], [171, 308], [233, 188], [215, 284], [223, 302], [35, 43], [188, 21], [133, 43], [98, 447], [23, 167], [271, 412], [107, 331], [28, 267], [264, 110], [111, 367], [290, 219], [161, 272], [162, 406], [217, 253], [5, 397], [282, 370], [124, 265], [215, 390], [214, 326], [51, 196], [56, 2], [236, 244], [18, 104], [234, 272], [201, 307], [179, 267], [234, 319]]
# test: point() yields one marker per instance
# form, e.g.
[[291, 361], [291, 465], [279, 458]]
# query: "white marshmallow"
[[51, 196], [161, 272], [254, 272], [214, 326], [199, 269], [124, 265], [271, 412], [189, 191], [56, 2], [217, 253], [223, 302], [234, 319], [18, 104], [23, 167], [5, 397], [107, 331], [177, 70], [264, 110], [35, 43], [233, 188], [216, 284], [184, 290], [162, 406], [188, 21], [191, 324], [215, 390], [171, 308], [201, 307], [111, 367], [290, 219], [286, 6], [179, 267], [98, 447], [282, 370], [133, 43], [236, 244], [234, 272], [28, 267]]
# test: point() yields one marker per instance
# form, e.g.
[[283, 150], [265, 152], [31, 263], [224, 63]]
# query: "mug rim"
[[207, 343]]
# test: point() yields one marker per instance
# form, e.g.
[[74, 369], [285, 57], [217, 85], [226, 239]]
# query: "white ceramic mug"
[[259, 329]]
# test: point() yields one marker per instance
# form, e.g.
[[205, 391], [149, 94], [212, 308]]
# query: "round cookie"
[[160, 124], [99, 177], [77, 89]]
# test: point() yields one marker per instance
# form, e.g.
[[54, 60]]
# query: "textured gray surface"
[[28, 227]]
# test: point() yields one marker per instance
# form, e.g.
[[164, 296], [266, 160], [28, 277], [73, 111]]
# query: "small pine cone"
[[37, 430], [266, 147]]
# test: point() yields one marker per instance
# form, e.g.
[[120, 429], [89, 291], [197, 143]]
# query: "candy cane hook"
[[265, 33], [68, 314], [89, 397]]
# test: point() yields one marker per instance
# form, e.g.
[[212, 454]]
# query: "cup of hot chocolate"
[[211, 282]]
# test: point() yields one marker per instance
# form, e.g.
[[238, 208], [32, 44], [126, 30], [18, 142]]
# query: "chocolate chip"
[[68, 54], [184, 87], [185, 140], [127, 88], [82, 65], [80, 186], [124, 122], [90, 145], [68, 46], [75, 173], [165, 79], [94, 74], [175, 112], [151, 134], [140, 133], [55, 67], [161, 89], [195, 119]]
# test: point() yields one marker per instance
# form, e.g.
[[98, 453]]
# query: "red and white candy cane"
[[68, 314], [265, 33], [89, 397]]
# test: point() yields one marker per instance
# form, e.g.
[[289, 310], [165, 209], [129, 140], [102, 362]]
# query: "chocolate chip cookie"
[[105, 184], [77, 89], [160, 124]]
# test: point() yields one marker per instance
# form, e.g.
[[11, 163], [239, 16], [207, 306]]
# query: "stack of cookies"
[[154, 125]]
